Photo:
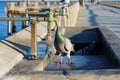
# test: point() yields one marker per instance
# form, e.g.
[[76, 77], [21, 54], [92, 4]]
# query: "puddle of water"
[[76, 60], [89, 62], [41, 49]]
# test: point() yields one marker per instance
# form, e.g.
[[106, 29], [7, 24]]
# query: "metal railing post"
[[13, 26], [33, 40], [9, 23], [49, 31], [24, 24]]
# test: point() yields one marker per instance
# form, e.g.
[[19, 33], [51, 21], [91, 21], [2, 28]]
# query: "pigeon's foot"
[[61, 61], [69, 62]]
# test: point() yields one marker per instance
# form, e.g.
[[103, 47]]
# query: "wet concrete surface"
[[84, 59], [96, 62], [89, 62], [41, 49]]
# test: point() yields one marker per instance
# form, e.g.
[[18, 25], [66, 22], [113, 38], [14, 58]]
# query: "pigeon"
[[63, 45]]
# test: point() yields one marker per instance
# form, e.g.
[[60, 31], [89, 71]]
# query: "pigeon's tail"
[[72, 50]]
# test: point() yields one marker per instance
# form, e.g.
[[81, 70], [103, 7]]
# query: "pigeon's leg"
[[55, 60], [69, 59], [61, 59]]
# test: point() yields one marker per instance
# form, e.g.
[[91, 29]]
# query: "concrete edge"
[[110, 5], [14, 48], [112, 41], [77, 74], [109, 37]]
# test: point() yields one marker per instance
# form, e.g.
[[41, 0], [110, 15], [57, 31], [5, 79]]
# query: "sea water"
[[3, 24]]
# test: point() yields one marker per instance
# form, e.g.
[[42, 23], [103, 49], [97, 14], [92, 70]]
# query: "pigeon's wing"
[[65, 48], [68, 45]]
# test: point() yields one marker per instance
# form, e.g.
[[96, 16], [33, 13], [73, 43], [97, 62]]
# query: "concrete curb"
[[107, 74], [112, 44], [13, 48]]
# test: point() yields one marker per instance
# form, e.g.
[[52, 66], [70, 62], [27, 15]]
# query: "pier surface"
[[96, 15], [92, 67]]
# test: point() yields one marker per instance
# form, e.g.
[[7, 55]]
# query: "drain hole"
[[92, 48]]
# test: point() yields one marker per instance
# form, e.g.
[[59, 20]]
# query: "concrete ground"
[[91, 15], [100, 15], [88, 62], [84, 67]]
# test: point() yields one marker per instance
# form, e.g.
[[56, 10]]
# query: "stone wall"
[[73, 12]]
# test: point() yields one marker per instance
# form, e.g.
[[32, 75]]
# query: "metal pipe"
[[9, 23], [33, 39], [23, 19], [49, 32], [13, 19], [13, 26], [31, 13], [48, 35], [26, 22]]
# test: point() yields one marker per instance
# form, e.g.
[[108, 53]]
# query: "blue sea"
[[3, 24]]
